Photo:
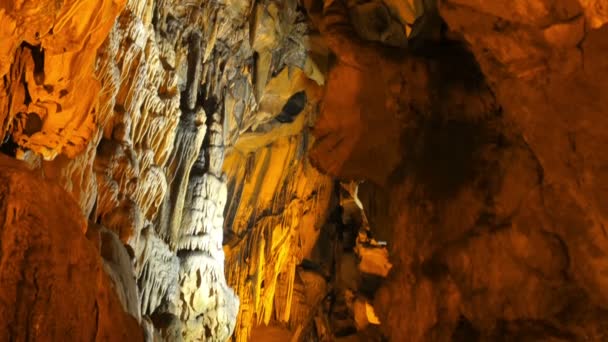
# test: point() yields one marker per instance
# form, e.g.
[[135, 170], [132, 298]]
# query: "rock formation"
[[414, 170], [44, 253], [492, 183]]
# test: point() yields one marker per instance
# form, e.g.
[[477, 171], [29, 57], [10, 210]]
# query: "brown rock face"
[[54, 287], [402, 170], [496, 200]]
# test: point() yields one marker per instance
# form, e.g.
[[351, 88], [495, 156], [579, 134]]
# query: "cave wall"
[[408, 170], [493, 183], [44, 253], [131, 107]]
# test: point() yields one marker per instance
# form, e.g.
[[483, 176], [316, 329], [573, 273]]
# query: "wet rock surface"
[[487, 178], [412, 170], [53, 282]]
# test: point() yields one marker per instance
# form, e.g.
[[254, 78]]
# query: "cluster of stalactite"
[[280, 169]]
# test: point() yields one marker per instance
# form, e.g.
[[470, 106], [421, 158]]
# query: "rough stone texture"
[[496, 191], [467, 138], [49, 95], [129, 106], [53, 282], [129, 91], [278, 205]]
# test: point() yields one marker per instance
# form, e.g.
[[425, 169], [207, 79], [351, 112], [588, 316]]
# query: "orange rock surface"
[[54, 287], [420, 170]]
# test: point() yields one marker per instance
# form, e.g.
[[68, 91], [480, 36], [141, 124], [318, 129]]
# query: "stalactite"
[[305, 170]]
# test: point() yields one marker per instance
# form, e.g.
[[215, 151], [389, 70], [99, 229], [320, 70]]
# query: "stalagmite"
[[303, 170]]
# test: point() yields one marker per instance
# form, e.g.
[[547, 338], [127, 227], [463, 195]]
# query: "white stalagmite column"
[[208, 307]]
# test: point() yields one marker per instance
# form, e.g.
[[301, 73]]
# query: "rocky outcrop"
[[139, 70], [131, 110], [500, 234], [53, 282], [412, 170], [49, 99], [278, 206]]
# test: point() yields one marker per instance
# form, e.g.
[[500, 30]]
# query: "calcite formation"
[[413, 170], [49, 99], [279, 205], [44, 253], [130, 106]]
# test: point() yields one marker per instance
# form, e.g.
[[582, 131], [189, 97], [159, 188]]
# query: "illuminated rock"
[[53, 279], [409, 170]]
